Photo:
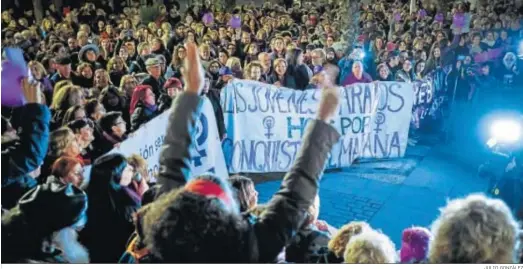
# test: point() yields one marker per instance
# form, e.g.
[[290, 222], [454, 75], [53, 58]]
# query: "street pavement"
[[395, 194]]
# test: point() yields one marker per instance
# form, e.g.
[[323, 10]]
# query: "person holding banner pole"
[[212, 227]]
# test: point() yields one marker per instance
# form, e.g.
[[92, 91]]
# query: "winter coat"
[[301, 76], [156, 84], [110, 222], [25, 155], [289, 81], [164, 103], [351, 79], [214, 97], [138, 66], [104, 144], [141, 115], [286, 211]]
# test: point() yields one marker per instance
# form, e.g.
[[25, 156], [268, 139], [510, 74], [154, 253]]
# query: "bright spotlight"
[[508, 131]]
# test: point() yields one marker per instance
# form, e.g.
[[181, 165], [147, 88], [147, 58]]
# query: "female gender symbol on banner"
[[202, 132], [380, 119], [268, 123]]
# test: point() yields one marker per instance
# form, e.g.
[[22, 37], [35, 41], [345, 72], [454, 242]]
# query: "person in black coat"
[[203, 210], [113, 128], [155, 78], [281, 77], [214, 97], [115, 196], [42, 227], [23, 153], [297, 69], [173, 87]]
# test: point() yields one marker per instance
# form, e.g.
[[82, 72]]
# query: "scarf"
[[133, 195], [151, 108]]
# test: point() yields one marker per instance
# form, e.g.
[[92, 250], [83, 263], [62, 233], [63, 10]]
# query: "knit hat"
[[414, 245], [211, 186], [87, 48], [53, 206], [173, 83]]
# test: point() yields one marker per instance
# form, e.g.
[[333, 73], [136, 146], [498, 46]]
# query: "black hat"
[[54, 206], [63, 60]]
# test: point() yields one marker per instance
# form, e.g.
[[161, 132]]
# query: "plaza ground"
[[395, 194]]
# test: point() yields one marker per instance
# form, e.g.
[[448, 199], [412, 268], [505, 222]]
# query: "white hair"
[[474, 229], [370, 246]]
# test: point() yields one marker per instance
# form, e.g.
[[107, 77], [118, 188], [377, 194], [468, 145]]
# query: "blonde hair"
[[38, 66], [166, 25], [232, 61], [105, 73], [321, 52], [338, 243], [370, 246], [151, 26], [142, 46], [110, 64], [82, 66], [59, 140], [204, 47], [138, 163], [61, 84], [61, 97], [278, 61], [248, 67], [475, 229]]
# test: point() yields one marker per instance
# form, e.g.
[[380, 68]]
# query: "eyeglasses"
[[119, 123]]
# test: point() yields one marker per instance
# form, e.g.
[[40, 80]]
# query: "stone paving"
[[392, 195]]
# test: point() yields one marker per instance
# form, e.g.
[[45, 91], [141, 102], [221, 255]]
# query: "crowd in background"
[[99, 75]]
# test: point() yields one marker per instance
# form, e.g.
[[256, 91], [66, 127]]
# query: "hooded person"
[[198, 220], [143, 106], [42, 227], [89, 54]]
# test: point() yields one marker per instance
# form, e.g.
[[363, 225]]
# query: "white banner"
[[265, 124], [207, 155]]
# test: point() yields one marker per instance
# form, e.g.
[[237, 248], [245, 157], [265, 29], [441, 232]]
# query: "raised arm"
[[175, 155], [27, 155], [286, 210]]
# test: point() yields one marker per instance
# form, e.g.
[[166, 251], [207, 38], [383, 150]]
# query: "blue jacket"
[[25, 155]]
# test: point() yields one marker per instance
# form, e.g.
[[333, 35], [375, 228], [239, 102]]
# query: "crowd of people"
[[95, 76]]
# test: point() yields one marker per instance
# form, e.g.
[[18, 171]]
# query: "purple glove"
[[14, 70]]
